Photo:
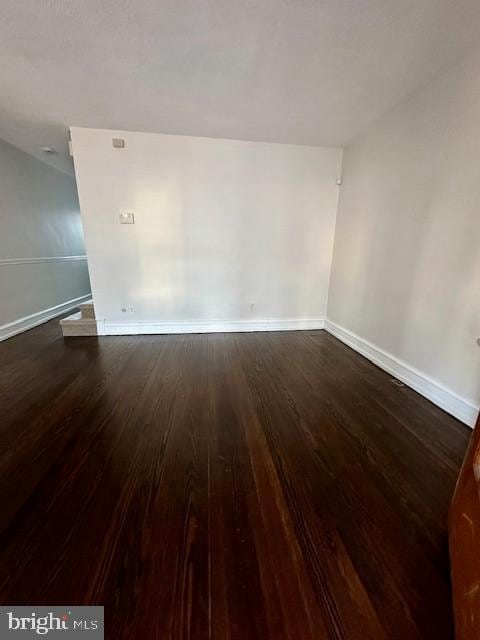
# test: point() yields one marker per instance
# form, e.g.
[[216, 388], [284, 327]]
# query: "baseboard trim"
[[5, 262], [29, 322], [116, 329], [434, 391]]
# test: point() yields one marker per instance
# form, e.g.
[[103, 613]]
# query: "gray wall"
[[39, 218], [406, 265]]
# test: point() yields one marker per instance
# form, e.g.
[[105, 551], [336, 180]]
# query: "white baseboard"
[[9, 262], [116, 329], [28, 322], [444, 398]]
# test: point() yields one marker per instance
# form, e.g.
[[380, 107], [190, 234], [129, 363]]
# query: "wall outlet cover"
[[127, 218]]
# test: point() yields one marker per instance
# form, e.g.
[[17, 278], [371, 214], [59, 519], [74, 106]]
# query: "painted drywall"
[[226, 233], [406, 267], [39, 223]]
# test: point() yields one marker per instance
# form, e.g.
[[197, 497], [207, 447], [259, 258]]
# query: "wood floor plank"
[[271, 486], [232, 540]]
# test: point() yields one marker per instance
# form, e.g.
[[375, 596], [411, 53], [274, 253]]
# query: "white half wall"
[[405, 278], [228, 235], [43, 266]]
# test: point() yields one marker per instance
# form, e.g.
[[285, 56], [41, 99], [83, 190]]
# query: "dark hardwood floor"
[[264, 486]]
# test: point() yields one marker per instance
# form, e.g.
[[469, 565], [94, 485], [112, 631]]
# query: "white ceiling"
[[296, 71]]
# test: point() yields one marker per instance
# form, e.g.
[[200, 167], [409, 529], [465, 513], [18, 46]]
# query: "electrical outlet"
[[131, 309], [252, 304], [127, 218]]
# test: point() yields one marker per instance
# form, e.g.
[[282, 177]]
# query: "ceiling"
[[296, 71]]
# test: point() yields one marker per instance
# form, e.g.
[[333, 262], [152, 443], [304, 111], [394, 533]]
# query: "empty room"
[[240, 319]]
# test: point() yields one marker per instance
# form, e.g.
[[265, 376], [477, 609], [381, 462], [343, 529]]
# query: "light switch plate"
[[127, 218]]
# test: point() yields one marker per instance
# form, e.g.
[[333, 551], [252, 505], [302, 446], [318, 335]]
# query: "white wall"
[[39, 222], [406, 267], [220, 226]]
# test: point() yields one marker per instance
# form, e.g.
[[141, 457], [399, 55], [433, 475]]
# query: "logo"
[[55, 622]]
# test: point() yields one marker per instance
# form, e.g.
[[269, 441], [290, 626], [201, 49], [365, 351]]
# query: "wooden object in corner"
[[464, 542]]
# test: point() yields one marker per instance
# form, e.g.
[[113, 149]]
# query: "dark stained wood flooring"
[[263, 486]]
